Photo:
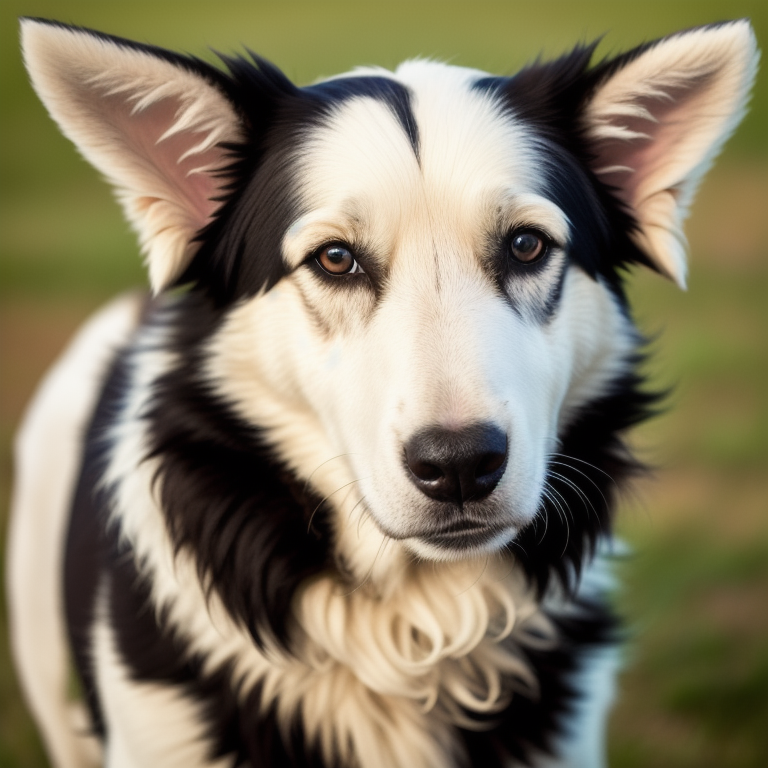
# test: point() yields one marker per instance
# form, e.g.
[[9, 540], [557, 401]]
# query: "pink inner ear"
[[158, 171], [652, 155]]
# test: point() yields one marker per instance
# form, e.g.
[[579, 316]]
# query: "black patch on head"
[[225, 496], [395, 95], [550, 98], [240, 252], [549, 308], [591, 464], [530, 725]]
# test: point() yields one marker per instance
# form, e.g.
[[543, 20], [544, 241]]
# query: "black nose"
[[457, 465]]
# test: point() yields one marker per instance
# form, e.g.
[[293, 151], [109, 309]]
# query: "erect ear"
[[657, 119], [151, 121]]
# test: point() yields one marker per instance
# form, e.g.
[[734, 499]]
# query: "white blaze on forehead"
[[360, 147], [359, 174], [364, 182], [468, 144]]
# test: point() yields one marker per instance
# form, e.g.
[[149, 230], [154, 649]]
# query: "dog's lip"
[[463, 525], [463, 533]]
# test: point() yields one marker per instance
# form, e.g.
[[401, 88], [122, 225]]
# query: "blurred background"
[[695, 589]]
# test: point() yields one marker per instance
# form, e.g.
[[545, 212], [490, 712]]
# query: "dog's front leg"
[[147, 724]]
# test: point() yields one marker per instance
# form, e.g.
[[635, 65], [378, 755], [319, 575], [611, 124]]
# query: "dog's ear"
[[656, 120], [151, 121]]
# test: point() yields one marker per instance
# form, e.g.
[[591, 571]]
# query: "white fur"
[[149, 724], [583, 742], [48, 450]]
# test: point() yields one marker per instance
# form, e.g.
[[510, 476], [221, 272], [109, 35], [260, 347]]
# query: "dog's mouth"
[[465, 534]]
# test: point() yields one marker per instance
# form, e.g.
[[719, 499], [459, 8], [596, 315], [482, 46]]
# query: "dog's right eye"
[[337, 259], [528, 245]]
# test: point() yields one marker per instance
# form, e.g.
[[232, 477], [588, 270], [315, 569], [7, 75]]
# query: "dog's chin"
[[461, 544], [442, 531]]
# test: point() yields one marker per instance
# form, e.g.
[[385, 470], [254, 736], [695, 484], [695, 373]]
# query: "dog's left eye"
[[337, 259]]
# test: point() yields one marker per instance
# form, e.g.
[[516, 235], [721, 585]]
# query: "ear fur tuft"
[[151, 121], [657, 119]]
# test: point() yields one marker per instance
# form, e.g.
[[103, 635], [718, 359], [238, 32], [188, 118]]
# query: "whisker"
[[581, 461], [384, 541], [343, 501], [361, 520], [314, 511], [564, 517], [588, 505], [480, 576], [585, 475], [542, 513], [563, 509], [508, 546], [327, 461], [354, 507]]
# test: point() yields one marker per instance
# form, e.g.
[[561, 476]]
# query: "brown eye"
[[337, 260], [527, 246]]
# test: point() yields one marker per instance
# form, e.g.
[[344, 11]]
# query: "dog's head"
[[415, 274]]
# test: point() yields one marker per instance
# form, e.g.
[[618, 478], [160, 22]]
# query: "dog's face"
[[432, 318], [415, 273]]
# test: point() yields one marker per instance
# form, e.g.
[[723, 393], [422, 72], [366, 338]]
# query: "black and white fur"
[[353, 520]]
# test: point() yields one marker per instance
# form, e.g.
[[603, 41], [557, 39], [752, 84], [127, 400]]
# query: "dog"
[[339, 491]]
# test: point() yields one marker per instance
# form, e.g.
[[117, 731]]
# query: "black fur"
[[225, 497], [550, 98], [236, 725], [85, 554], [390, 92], [240, 251], [587, 470], [508, 272], [531, 722]]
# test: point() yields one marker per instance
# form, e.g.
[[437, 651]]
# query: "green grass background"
[[695, 591]]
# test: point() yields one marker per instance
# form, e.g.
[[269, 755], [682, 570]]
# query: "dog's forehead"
[[440, 140], [468, 136]]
